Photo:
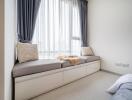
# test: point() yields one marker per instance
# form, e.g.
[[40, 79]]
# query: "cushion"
[[27, 52], [33, 67], [86, 51], [90, 58], [68, 64]]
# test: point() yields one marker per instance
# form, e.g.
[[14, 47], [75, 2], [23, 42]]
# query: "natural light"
[[58, 28]]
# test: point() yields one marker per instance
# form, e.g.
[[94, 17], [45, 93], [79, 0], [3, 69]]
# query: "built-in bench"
[[36, 77]]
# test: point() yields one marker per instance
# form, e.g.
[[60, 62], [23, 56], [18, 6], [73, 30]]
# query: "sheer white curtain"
[[58, 28]]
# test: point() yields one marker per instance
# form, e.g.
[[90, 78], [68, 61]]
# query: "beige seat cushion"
[[68, 64], [90, 58], [33, 67]]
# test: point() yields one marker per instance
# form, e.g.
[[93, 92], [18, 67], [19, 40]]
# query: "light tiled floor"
[[92, 87]]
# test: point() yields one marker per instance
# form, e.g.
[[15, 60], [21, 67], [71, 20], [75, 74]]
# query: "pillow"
[[27, 52], [86, 51]]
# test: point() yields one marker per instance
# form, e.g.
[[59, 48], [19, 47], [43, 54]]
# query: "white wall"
[[1, 49], [10, 30], [7, 45], [110, 33]]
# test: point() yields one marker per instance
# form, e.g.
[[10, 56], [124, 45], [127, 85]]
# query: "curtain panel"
[[83, 6], [58, 29], [26, 18]]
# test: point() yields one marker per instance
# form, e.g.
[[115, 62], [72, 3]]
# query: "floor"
[[92, 87]]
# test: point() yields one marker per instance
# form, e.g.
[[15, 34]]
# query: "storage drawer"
[[34, 87], [92, 67], [74, 74]]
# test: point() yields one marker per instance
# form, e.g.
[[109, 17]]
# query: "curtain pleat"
[[27, 11], [83, 18]]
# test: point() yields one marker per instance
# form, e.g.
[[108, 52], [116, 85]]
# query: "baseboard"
[[110, 72]]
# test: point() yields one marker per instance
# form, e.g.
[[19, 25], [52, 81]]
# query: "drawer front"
[[92, 67], [74, 74], [31, 88]]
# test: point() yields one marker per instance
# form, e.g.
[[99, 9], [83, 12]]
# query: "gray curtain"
[[83, 18], [26, 18]]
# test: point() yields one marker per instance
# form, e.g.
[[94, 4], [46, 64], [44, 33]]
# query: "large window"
[[58, 28]]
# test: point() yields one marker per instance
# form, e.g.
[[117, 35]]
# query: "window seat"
[[37, 77], [42, 65]]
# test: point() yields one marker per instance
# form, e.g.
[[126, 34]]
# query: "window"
[[58, 28]]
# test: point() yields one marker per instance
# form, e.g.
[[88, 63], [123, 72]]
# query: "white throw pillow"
[[27, 52], [86, 51]]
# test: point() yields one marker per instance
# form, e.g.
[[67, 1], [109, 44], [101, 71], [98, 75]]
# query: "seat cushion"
[[90, 58], [33, 67], [68, 64], [65, 64]]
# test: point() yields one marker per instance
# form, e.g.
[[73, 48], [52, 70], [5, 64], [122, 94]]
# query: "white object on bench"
[[29, 86]]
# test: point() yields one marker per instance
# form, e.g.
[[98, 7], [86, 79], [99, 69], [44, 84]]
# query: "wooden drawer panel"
[[92, 67], [74, 74], [30, 88]]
